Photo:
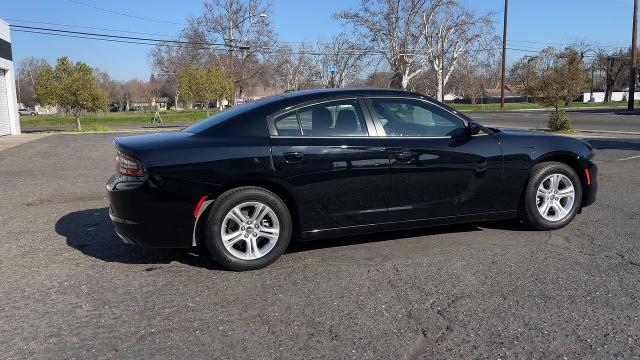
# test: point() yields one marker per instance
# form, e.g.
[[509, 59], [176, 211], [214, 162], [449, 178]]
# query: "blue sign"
[[332, 68]]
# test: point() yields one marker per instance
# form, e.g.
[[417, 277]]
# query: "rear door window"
[[328, 119], [287, 125]]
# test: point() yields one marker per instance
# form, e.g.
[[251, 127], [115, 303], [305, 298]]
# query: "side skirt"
[[410, 224]]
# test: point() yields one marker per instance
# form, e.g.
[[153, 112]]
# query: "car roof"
[[319, 93], [260, 108]]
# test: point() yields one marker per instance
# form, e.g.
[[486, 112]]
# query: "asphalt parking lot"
[[70, 289]]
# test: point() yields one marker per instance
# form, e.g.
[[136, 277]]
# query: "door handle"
[[293, 156], [404, 156]]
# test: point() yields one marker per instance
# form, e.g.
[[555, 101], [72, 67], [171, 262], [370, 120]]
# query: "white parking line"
[[629, 158]]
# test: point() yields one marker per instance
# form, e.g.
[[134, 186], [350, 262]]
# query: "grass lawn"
[[520, 106], [99, 121]]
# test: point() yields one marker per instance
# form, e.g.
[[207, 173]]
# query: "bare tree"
[[378, 79], [26, 76], [449, 35], [343, 53], [613, 65], [108, 85], [414, 35], [293, 69], [169, 59], [243, 26], [392, 27]]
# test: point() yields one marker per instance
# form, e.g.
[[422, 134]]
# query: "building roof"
[[509, 91]]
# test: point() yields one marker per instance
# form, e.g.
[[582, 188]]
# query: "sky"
[[532, 25]]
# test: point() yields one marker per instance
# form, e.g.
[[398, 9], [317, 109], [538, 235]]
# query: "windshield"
[[227, 114]]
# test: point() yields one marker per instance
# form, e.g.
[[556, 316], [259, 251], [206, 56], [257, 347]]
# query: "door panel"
[[443, 177], [339, 174], [437, 170], [336, 182]]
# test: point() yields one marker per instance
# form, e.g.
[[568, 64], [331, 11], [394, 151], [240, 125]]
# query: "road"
[[581, 119], [70, 289]]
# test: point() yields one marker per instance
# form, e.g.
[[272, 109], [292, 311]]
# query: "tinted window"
[[287, 125], [415, 118], [230, 114], [334, 118]]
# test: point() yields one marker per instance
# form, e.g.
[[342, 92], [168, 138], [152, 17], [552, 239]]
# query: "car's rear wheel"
[[552, 197], [248, 228]]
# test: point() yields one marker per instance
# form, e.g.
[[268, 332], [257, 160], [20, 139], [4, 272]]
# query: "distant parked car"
[[27, 112]]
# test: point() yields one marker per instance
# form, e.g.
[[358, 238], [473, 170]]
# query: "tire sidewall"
[[216, 216], [531, 196]]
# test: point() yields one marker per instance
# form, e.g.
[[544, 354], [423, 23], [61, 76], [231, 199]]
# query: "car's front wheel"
[[248, 228], [552, 197]]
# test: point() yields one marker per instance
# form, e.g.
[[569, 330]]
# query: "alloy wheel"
[[555, 197], [250, 230]]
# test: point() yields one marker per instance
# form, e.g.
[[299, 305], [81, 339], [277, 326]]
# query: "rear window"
[[228, 114]]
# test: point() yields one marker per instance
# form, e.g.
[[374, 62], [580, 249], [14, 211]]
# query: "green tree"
[[70, 86], [558, 78], [204, 84]]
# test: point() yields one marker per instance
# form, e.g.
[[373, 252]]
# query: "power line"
[[156, 42], [206, 45], [85, 27], [124, 14], [118, 36]]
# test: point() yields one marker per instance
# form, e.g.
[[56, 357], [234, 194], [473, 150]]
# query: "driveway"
[[70, 289]]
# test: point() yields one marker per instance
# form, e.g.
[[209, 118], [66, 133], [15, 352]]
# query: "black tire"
[[227, 201], [529, 209]]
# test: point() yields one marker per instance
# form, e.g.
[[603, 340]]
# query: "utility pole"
[[504, 53], [634, 55]]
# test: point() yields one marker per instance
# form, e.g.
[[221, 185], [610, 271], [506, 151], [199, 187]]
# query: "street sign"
[[332, 68]]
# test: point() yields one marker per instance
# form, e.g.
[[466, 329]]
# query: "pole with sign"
[[332, 70]]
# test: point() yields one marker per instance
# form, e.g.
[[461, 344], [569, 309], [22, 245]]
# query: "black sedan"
[[322, 163]]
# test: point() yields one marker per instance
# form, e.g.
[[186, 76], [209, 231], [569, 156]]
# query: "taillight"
[[128, 167]]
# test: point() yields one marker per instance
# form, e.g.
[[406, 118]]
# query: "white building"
[[598, 96], [451, 97], [9, 120]]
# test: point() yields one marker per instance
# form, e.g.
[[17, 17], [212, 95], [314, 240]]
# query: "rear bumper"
[[146, 215]]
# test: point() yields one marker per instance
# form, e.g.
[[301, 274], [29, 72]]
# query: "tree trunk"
[[206, 104], [396, 79], [608, 89], [78, 123]]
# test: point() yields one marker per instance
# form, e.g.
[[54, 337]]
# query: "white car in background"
[[27, 112]]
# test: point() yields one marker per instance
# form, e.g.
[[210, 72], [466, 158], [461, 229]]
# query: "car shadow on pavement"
[[614, 143], [510, 225], [91, 232]]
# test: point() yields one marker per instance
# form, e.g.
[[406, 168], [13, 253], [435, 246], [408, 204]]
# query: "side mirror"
[[473, 128]]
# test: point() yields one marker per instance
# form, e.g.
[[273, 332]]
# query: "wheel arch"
[[570, 159], [280, 190]]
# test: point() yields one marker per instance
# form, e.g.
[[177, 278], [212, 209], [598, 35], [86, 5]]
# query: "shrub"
[[558, 121]]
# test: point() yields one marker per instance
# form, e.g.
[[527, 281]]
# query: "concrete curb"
[[548, 109]]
